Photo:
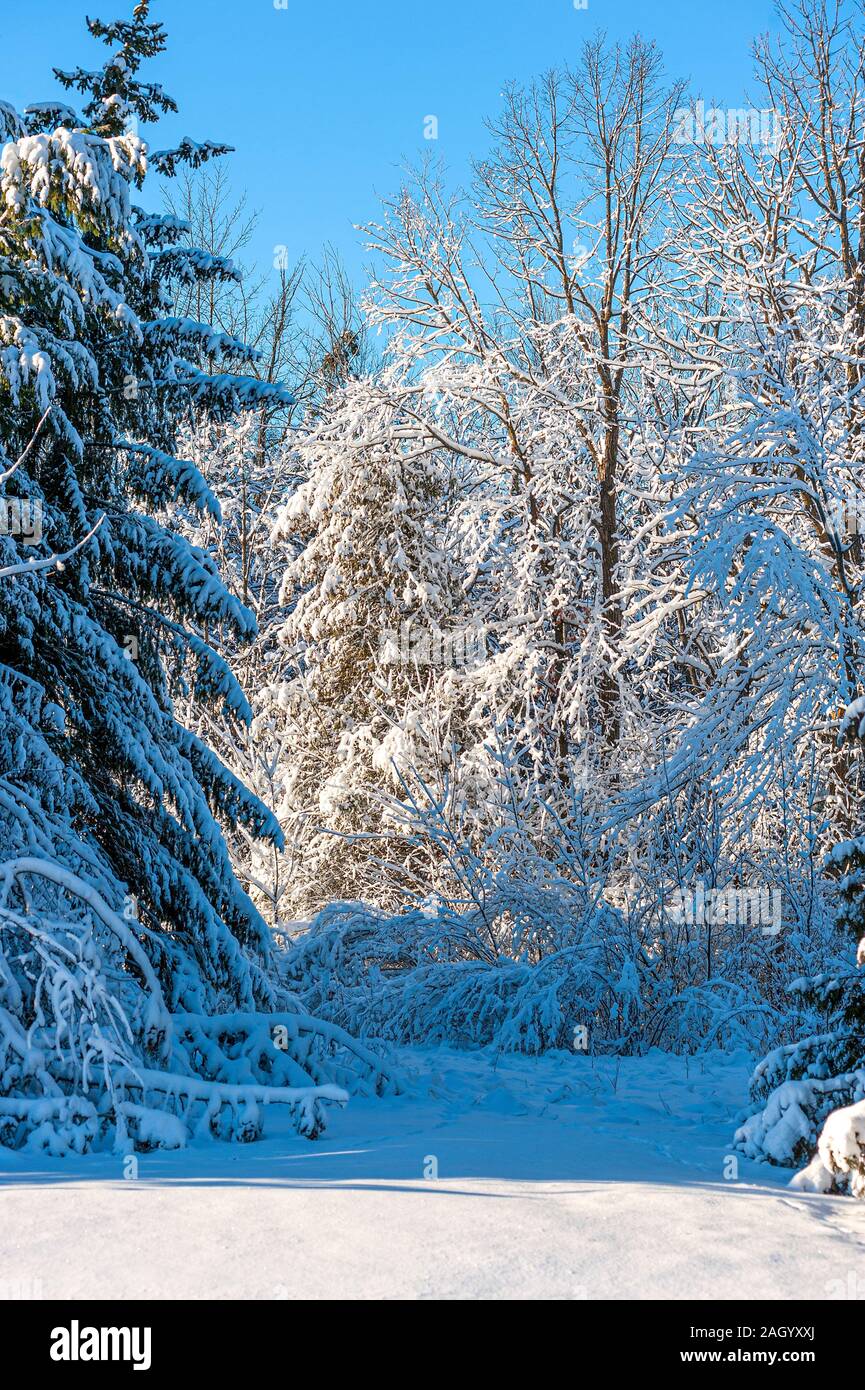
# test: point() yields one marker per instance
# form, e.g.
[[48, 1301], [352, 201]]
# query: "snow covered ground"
[[557, 1178]]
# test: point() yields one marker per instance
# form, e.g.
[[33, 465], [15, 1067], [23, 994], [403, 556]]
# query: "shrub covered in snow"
[[444, 977], [839, 1163], [528, 963]]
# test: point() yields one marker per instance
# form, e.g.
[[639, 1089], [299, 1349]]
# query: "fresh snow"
[[558, 1177]]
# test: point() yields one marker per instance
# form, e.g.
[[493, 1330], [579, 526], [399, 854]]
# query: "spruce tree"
[[133, 969]]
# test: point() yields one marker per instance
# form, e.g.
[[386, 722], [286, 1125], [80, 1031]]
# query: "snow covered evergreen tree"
[[374, 624], [133, 969], [811, 1094]]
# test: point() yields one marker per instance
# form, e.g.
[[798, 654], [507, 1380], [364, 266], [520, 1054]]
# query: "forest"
[[468, 662]]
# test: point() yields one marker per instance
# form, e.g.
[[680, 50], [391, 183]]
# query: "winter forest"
[[432, 702]]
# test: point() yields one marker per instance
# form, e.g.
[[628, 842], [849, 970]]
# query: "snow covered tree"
[[133, 968], [374, 623], [769, 490], [253, 464], [525, 314], [250, 477], [811, 1094]]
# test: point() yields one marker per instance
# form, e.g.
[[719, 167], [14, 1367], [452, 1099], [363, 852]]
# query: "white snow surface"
[[558, 1177]]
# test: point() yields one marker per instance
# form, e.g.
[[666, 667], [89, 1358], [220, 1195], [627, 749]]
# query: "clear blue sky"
[[325, 100]]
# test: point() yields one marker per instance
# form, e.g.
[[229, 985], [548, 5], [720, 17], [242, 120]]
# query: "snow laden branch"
[[90, 1055], [50, 562]]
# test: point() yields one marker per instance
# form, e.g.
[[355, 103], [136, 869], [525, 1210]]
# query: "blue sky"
[[324, 100]]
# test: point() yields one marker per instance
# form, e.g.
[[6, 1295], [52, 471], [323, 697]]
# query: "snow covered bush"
[[841, 1148], [527, 970], [839, 1163], [89, 1049], [427, 976], [529, 953], [137, 997]]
